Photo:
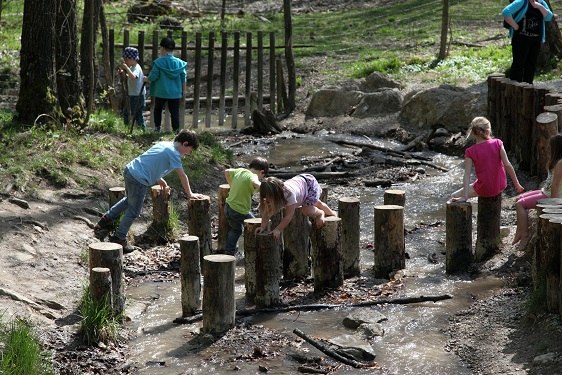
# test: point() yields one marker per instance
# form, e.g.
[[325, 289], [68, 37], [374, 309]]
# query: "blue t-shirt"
[[155, 163]]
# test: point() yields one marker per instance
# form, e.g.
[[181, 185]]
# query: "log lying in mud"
[[322, 306], [318, 175]]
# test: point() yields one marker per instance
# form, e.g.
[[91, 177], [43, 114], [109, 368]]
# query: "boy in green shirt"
[[243, 183]]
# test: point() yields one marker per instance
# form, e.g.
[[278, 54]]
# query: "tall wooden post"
[[190, 275], [235, 78], [110, 255], [224, 50], [268, 270], [199, 223], [296, 247], [197, 80], [348, 211], [390, 250], [160, 205], [458, 238], [210, 67], [327, 261], [547, 126], [219, 306], [488, 226], [248, 86], [224, 189], [250, 226]]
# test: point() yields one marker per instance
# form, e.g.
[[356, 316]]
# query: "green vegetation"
[[98, 323], [20, 350]]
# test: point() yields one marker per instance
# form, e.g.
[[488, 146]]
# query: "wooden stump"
[[348, 211], [219, 308], [397, 197], [110, 255], [268, 270], [115, 194], [160, 205], [458, 237], [494, 102], [100, 285], [556, 109], [190, 275], [547, 126], [327, 261], [390, 251], [549, 248], [224, 189], [296, 247], [324, 193], [199, 224], [250, 226], [488, 226]]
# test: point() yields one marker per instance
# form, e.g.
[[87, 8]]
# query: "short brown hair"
[[259, 164], [189, 136]]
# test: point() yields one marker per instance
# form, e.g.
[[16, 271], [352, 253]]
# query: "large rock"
[[333, 102], [376, 81], [378, 103], [452, 108]]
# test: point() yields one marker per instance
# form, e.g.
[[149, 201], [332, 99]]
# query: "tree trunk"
[[444, 29], [37, 62], [69, 84], [553, 44], [291, 74], [108, 72], [87, 53]]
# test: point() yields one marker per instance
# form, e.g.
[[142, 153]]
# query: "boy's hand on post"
[[276, 233], [196, 196]]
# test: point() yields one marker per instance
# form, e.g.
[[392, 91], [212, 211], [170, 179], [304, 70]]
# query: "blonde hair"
[[271, 189], [481, 127]]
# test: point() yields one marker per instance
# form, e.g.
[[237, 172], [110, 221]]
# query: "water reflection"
[[415, 339]]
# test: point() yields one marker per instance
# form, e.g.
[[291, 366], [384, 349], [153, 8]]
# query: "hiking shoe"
[[127, 248], [103, 227]]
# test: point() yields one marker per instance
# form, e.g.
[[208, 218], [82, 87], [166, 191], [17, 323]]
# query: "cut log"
[[190, 275], [348, 211], [458, 238], [115, 194], [160, 205], [397, 197], [296, 247], [327, 261], [250, 226], [199, 224], [488, 226], [390, 251], [100, 286], [268, 270], [110, 255], [219, 307], [224, 189]]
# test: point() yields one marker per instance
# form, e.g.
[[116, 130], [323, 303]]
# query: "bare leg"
[[521, 233], [315, 213], [324, 207]]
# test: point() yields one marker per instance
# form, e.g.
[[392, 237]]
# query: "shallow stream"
[[415, 337]]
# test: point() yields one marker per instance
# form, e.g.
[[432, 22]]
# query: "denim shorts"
[[313, 190]]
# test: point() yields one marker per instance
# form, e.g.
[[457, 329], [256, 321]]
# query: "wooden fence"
[[524, 116], [262, 81]]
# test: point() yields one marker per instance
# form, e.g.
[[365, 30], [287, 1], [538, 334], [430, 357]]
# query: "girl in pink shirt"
[[301, 190], [490, 164]]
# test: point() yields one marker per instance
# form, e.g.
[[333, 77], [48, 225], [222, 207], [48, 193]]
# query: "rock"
[[369, 330], [353, 346], [376, 81], [545, 359], [361, 316], [378, 103], [333, 102]]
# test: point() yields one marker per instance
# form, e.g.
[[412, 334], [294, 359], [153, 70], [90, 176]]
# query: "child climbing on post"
[[490, 163], [243, 183], [301, 190], [551, 188]]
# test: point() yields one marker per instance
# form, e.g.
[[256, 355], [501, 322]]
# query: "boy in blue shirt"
[[243, 183], [144, 171]]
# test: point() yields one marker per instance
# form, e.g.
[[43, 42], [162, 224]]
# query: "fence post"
[[248, 88], [235, 78], [112, 51], [140, 47], [272, 71], [260, 71], [197, 83], [210, 68], [224, 49]]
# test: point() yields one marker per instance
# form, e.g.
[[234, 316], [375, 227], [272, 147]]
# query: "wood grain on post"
[[224, 189], [522, 128], [110, 255], [250, 226], [199, 223], [390, 251], [458, 238], [327, 263], [219, 307], [160, 205], [547, 126], [296, 247], [115, 194], [268, 270], [100, 285], [190, 275], [552, 262], [397, 197], [348, 211], [324, 193], [493, 107], [538, 108], [488, 237], [556, 109]]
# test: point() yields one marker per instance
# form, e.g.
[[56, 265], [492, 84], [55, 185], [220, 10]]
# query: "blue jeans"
[[235, 228], [131, 205], [136, 105]]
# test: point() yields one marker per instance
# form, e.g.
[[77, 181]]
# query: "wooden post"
[[224, 50], [224, 189], [348, 211], [272, 71], [289, 57], [110, 255], [458, 238], [235, 78], [219, 307], [268, 270], [115, 194], [199, 223], [260, 70], [325, 190], [493, 109], [190, 273], [282, 98], [100, 285], [210, 68], [327, 263], [397, 197], [160, 205], [390, 251], [248, 88], [140, 45], [551, 232], [250, 226], [556, 109], [296, 247], [538, 108], [112, 50], [547, 126], [488, 226], [197, 80]]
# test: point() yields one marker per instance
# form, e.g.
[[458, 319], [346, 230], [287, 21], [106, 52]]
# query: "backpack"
[[515, 15]]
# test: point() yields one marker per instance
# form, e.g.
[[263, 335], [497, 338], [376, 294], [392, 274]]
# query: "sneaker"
[[127, 248], [103, 227]]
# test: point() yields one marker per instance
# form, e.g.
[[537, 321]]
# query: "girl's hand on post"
[[197, 196], [276, 233]]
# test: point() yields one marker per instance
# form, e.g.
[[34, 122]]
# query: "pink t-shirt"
[[490, 173], [295, 190]]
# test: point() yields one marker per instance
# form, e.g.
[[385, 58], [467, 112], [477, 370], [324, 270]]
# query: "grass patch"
[[98, 323], [20, 350]]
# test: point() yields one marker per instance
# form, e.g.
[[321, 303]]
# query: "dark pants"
[[525, 51], [235, 228], [173, 107], [136, 106]]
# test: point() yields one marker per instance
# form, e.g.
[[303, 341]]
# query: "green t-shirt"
[[241, 190]]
